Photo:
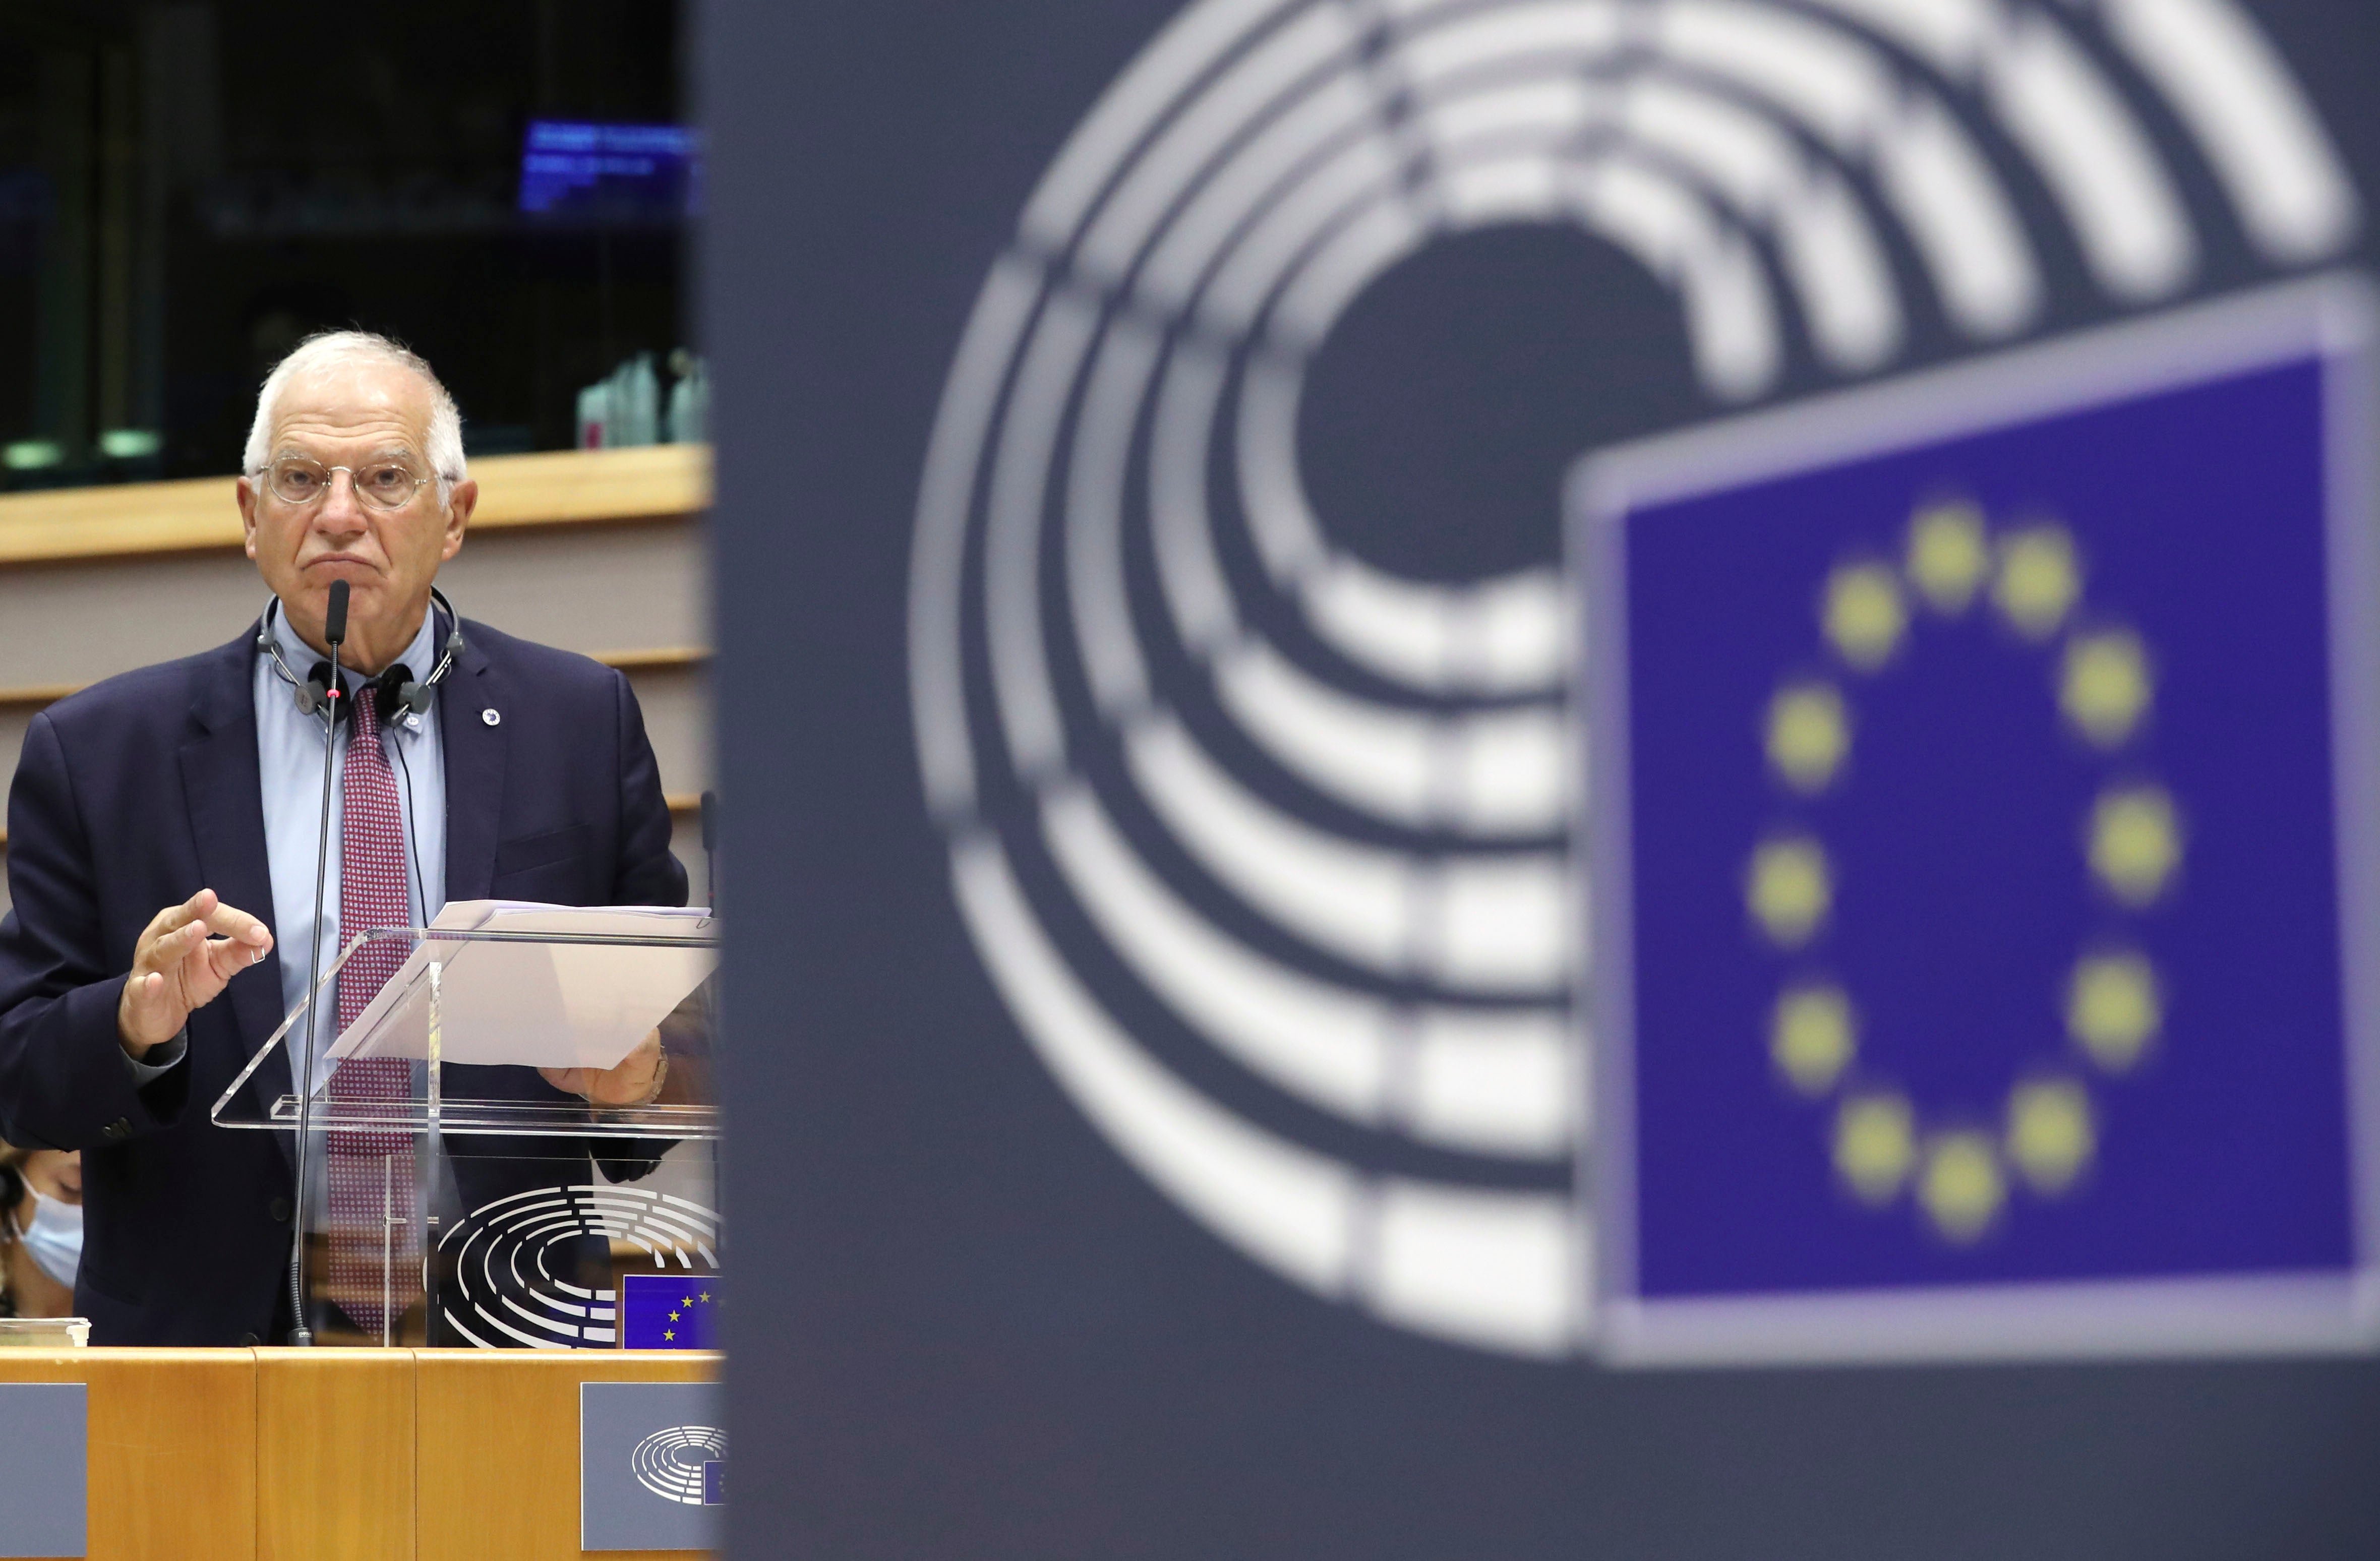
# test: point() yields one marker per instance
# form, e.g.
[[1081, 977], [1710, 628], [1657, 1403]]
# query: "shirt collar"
[[302, 656]]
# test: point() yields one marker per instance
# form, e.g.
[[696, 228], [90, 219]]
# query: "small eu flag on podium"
[[1985, 822], [670, 1311]]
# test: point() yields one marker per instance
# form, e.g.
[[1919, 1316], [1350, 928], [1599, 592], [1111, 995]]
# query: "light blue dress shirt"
[[289, 762]]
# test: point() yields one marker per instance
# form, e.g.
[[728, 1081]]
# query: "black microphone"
[[334, 633]]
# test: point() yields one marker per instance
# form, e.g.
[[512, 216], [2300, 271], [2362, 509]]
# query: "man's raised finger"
[[173, 918], [230, 921]]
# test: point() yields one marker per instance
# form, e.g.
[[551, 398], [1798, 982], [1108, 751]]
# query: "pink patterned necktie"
[[372, 1192]]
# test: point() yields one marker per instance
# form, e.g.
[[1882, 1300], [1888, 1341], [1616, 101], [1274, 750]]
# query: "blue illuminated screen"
[[611, 173]]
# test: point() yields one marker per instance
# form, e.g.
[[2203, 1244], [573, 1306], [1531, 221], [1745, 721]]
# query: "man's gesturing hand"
[[178, 967]]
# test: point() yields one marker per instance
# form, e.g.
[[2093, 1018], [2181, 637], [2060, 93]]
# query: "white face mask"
[[54, 1239]]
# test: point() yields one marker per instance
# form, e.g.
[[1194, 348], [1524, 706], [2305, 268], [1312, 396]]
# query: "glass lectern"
[[513, 1143]]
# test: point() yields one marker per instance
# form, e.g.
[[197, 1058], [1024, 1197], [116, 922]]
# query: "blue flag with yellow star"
[[1981, 872], [663, 1311]]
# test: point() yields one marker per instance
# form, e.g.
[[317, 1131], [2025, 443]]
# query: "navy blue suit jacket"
[[135, 794]]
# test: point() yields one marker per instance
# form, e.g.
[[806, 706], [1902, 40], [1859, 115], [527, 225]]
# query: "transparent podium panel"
[[525, 1258], [511, 1143]]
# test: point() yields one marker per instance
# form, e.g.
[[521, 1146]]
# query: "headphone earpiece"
[[395, 686], [314, 694], [398, 687]]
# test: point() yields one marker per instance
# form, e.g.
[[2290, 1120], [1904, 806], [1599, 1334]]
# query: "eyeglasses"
[[385, 485]]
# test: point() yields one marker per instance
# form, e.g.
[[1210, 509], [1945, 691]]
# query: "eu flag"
[[1981, 869], [666, 1312]]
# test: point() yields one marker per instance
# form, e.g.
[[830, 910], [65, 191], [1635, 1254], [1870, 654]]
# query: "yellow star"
[[2106, 686], [1874, 1142], [2135, 843], [2050, 1135], [1789, 890], [1808, 735], [672, 1316], [687, 1302], [1948, 557], [669, 1333], [2113, 1009], [1812, 1037], [1961, 1185], [706, 1296], [2039, 580], [1863, 615]]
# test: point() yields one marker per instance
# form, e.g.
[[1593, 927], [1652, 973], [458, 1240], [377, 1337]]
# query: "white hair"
[[327, 348]]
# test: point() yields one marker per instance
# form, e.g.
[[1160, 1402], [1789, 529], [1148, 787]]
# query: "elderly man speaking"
[[162, 837]]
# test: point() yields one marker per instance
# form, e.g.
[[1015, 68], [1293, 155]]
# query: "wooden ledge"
[[664, 659], [36, 696], [555, 488]]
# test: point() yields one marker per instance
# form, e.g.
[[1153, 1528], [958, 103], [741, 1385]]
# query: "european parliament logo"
[[1984, 818], [1261, 839]]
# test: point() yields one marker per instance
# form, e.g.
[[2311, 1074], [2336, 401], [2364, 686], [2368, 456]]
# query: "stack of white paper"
[[539, 1005]]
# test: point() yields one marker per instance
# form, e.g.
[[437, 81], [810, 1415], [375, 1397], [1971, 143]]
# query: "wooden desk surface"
[[335, 1455], [498, 1437], [173, 1448], [376, 1455]]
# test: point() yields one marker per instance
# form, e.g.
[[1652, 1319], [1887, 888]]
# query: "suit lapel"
[[474, 773], [223, 791]]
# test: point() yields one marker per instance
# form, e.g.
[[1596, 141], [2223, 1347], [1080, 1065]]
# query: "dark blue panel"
[[1957, 839], [661, 1311], [985, 1334]]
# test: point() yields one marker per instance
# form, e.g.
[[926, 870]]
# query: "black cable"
[[710, 849], [418, 891]]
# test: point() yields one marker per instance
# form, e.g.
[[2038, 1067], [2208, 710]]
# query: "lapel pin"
[[491, 718]]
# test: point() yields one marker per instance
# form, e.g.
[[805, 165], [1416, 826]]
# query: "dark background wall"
[[189, 188], [963, 1326]]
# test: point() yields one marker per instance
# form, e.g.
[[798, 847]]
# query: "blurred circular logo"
[[1266, 847]]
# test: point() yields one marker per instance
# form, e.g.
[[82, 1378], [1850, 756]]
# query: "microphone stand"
[[334, 633]]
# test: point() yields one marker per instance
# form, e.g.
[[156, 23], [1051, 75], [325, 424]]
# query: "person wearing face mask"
[[41, 1232]]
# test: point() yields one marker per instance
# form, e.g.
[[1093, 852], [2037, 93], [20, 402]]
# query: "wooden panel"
[[334, 1454], [122, 518], [498, 1438], [663, 659], [629, 584], [564, 487], [173, 1448]]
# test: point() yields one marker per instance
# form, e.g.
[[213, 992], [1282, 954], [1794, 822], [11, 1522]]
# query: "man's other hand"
[[625, 1084], [178, 967]]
